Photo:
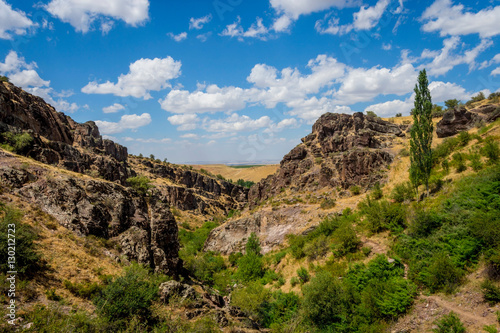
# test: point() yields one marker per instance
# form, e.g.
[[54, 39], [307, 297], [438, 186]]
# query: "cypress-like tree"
[[421, 134]]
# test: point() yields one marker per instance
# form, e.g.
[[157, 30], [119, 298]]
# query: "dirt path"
[[463, 314]]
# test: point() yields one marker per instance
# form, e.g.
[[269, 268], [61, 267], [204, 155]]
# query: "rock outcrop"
[[58, 139], [342, 150], [143, 226], [491, 112], [454, 121], [193, 191]]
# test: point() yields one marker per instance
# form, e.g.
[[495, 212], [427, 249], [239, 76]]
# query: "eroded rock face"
[[271, 227], [58, 139], [491, 112], [342, 150], [454, 121], [144, 226]]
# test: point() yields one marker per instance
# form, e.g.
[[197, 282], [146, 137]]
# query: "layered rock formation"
[[342, 150], [454, 121], [459, 119], [193, 191], [144, 227], [58, 139]]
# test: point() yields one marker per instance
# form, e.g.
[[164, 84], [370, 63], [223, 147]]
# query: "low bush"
[[377, 192], [28, 261], [141, 184], [383, 215], [303, 275], [84, 290], [128, 295], [449, 324], [491, 150], [491, 292], [403, 192], [355, 190]]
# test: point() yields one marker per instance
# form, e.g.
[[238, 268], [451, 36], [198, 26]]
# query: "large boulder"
[[454, 121]]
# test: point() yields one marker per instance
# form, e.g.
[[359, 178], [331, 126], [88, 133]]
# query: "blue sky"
[[240, 80]]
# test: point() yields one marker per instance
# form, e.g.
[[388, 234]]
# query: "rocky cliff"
[[342, 150], [144, 227], [58, 139]]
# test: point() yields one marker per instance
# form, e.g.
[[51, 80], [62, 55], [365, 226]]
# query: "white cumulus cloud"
[[256, 30], [145, 75], [185, 122], [235, 123], [82, 13], [113, 108], [453, 20], [12, 21], [129, 121]]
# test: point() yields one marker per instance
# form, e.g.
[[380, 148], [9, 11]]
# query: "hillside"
[[334, 240]]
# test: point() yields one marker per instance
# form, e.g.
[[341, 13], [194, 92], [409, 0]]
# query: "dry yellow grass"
[[253, 174]]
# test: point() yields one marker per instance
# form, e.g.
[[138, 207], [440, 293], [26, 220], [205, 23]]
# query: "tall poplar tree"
[[421, 134]]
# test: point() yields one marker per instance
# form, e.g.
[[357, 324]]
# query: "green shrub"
[[325, 300], [404, 152], [250, 299], [377, 192], [129, 295], [445, 165], [346, 240], [27, 260], [244, 183], [52, 295], [355, 190], [141, 184], [303, 275], [4, 78], [449, 324], [475, 161], [398, 115], [437, 111], [316, 248], [18, 143], [464, 138], [250, 266], [424, 223], [192, 241], [382, 215], [281, 308], [328, 203], [490, 328], [205, 266], [294, 281], [234, 257], [84, 290], [491, 150], [491, 292], [459, 162], [442, 274], [403, 192], [371, 114]]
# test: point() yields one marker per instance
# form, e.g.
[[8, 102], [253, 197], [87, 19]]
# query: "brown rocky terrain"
[[144, 227], [60, 141], [460, 119], [342, 151]]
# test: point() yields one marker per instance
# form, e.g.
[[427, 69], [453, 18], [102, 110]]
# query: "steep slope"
[[143, 226], [58, 140], [342, 151]]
